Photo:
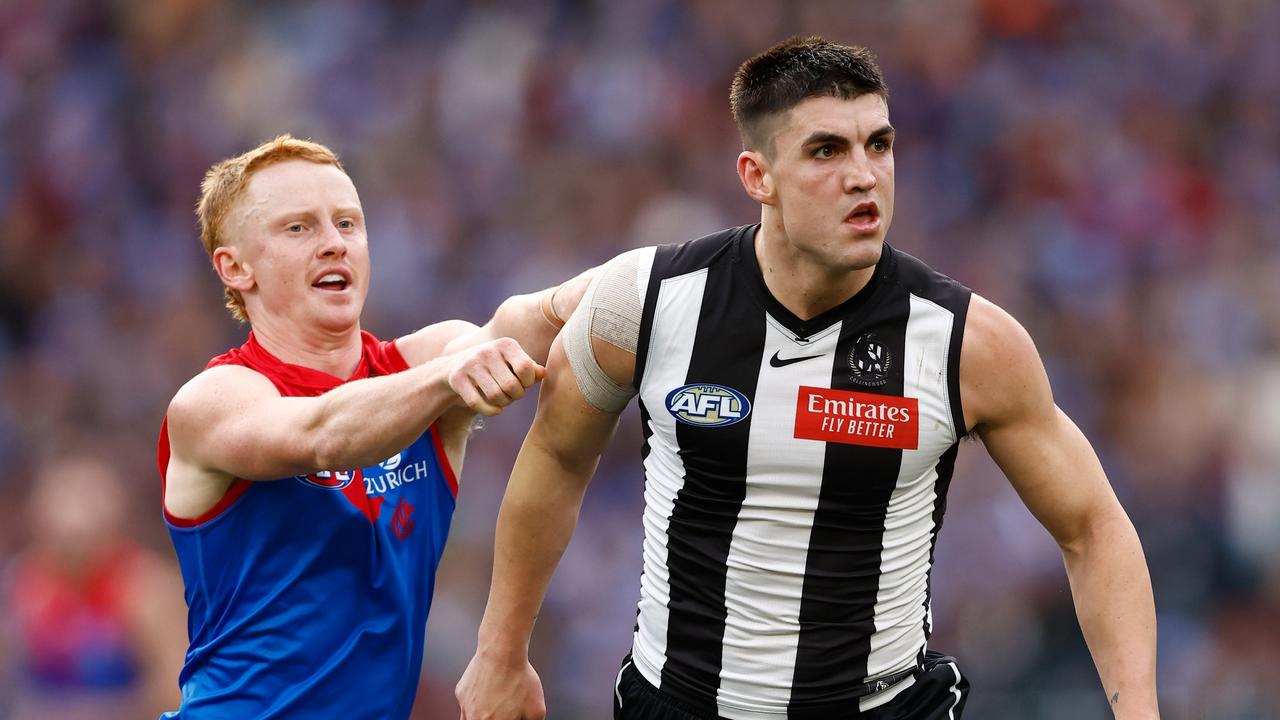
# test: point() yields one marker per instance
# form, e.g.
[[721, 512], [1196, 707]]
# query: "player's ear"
[[234, 271], [754, 172]]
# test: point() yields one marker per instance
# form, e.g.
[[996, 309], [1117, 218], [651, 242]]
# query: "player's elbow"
[[521, 317], [1104, 528], [514, 312], [518, 309], [327, 451]]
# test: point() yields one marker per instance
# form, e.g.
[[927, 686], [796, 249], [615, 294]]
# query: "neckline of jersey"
[[744, 248], [309, 381]]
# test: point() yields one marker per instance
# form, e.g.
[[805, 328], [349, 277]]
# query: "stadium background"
[[1105, 170]]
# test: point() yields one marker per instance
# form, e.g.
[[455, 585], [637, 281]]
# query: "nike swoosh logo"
[[776, 361]]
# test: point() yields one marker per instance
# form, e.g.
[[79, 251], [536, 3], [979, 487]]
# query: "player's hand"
[[494, 689], [491, 376]]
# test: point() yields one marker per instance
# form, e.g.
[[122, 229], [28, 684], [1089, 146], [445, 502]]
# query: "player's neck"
[[801, 282], [335, 353]]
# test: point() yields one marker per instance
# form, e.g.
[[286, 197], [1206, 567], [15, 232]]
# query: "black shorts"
[[939, 693]]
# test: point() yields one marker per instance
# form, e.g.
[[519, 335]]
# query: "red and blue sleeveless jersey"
[[308, 595]]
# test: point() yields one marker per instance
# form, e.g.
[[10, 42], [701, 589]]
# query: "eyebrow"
[[826, 137], [283, 214], [881, 133]]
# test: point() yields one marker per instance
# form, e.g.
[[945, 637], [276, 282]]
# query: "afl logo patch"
[[707, 405], [869, 361], [329, 479]]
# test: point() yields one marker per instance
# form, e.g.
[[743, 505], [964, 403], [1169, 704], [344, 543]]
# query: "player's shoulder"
[[217, 389], [923, 279], [993, 333], [626, 269], [693, 255], [1000, 367]]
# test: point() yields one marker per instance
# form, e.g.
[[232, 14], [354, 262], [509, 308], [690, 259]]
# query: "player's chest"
[[391, 496], [856, 384]]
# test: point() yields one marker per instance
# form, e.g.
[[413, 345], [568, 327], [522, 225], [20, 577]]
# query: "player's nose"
[[858, 174], [332, 243]]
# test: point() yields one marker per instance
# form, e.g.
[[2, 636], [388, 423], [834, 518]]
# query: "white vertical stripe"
[[904, 560], [955, 690], [666, 367], [770, 546], [617, 684]]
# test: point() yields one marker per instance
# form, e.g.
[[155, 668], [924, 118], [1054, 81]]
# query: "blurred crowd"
[[1107, 170]]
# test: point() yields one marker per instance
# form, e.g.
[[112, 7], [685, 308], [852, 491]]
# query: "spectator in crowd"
[[90, 612]]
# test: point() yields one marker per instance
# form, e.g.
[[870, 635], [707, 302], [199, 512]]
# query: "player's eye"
[[294, 228], [825, 151], [346, 224], [880, 146]]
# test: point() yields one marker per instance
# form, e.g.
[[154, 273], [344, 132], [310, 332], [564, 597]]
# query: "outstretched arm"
[[1007, 400], [230, 422], [531, 320], [538, 516]]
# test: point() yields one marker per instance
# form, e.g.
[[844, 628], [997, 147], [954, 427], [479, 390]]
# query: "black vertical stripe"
[[958, 302], [946, 467], [646, 315], [646, 431], [842, 575], [727, 350]]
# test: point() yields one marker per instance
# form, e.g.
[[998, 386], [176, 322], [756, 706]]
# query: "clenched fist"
[[495, 688], [491, 376]]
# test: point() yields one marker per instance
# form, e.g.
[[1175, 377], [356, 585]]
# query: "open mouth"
[[864, 212], [865, 216], [333, 282]]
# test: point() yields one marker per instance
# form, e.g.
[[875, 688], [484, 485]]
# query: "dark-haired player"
[[804, 388]]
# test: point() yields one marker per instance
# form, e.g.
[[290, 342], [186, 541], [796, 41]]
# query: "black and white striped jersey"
[[795, 478]]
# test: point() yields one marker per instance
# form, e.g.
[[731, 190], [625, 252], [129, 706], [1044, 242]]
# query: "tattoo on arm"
[[1115, 699]]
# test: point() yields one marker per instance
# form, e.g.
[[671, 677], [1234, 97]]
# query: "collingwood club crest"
[[869, 361]]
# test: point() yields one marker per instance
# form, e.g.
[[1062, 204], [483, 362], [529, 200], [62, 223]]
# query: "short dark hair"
[[794, 70]]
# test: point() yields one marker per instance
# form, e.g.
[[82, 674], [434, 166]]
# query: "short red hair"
[[224, 185]]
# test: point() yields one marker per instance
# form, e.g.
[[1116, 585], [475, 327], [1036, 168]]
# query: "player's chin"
[[862, 251], [349, 299], [338, 315]]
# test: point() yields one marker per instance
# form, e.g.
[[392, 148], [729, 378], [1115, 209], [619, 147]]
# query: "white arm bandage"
[[610, 311]]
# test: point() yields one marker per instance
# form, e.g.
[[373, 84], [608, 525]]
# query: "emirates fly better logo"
[[855, 418]]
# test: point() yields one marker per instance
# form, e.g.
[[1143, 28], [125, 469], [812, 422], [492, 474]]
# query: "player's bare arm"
[[1008, 402], [531, 319], [538, 516], [230, 422]]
